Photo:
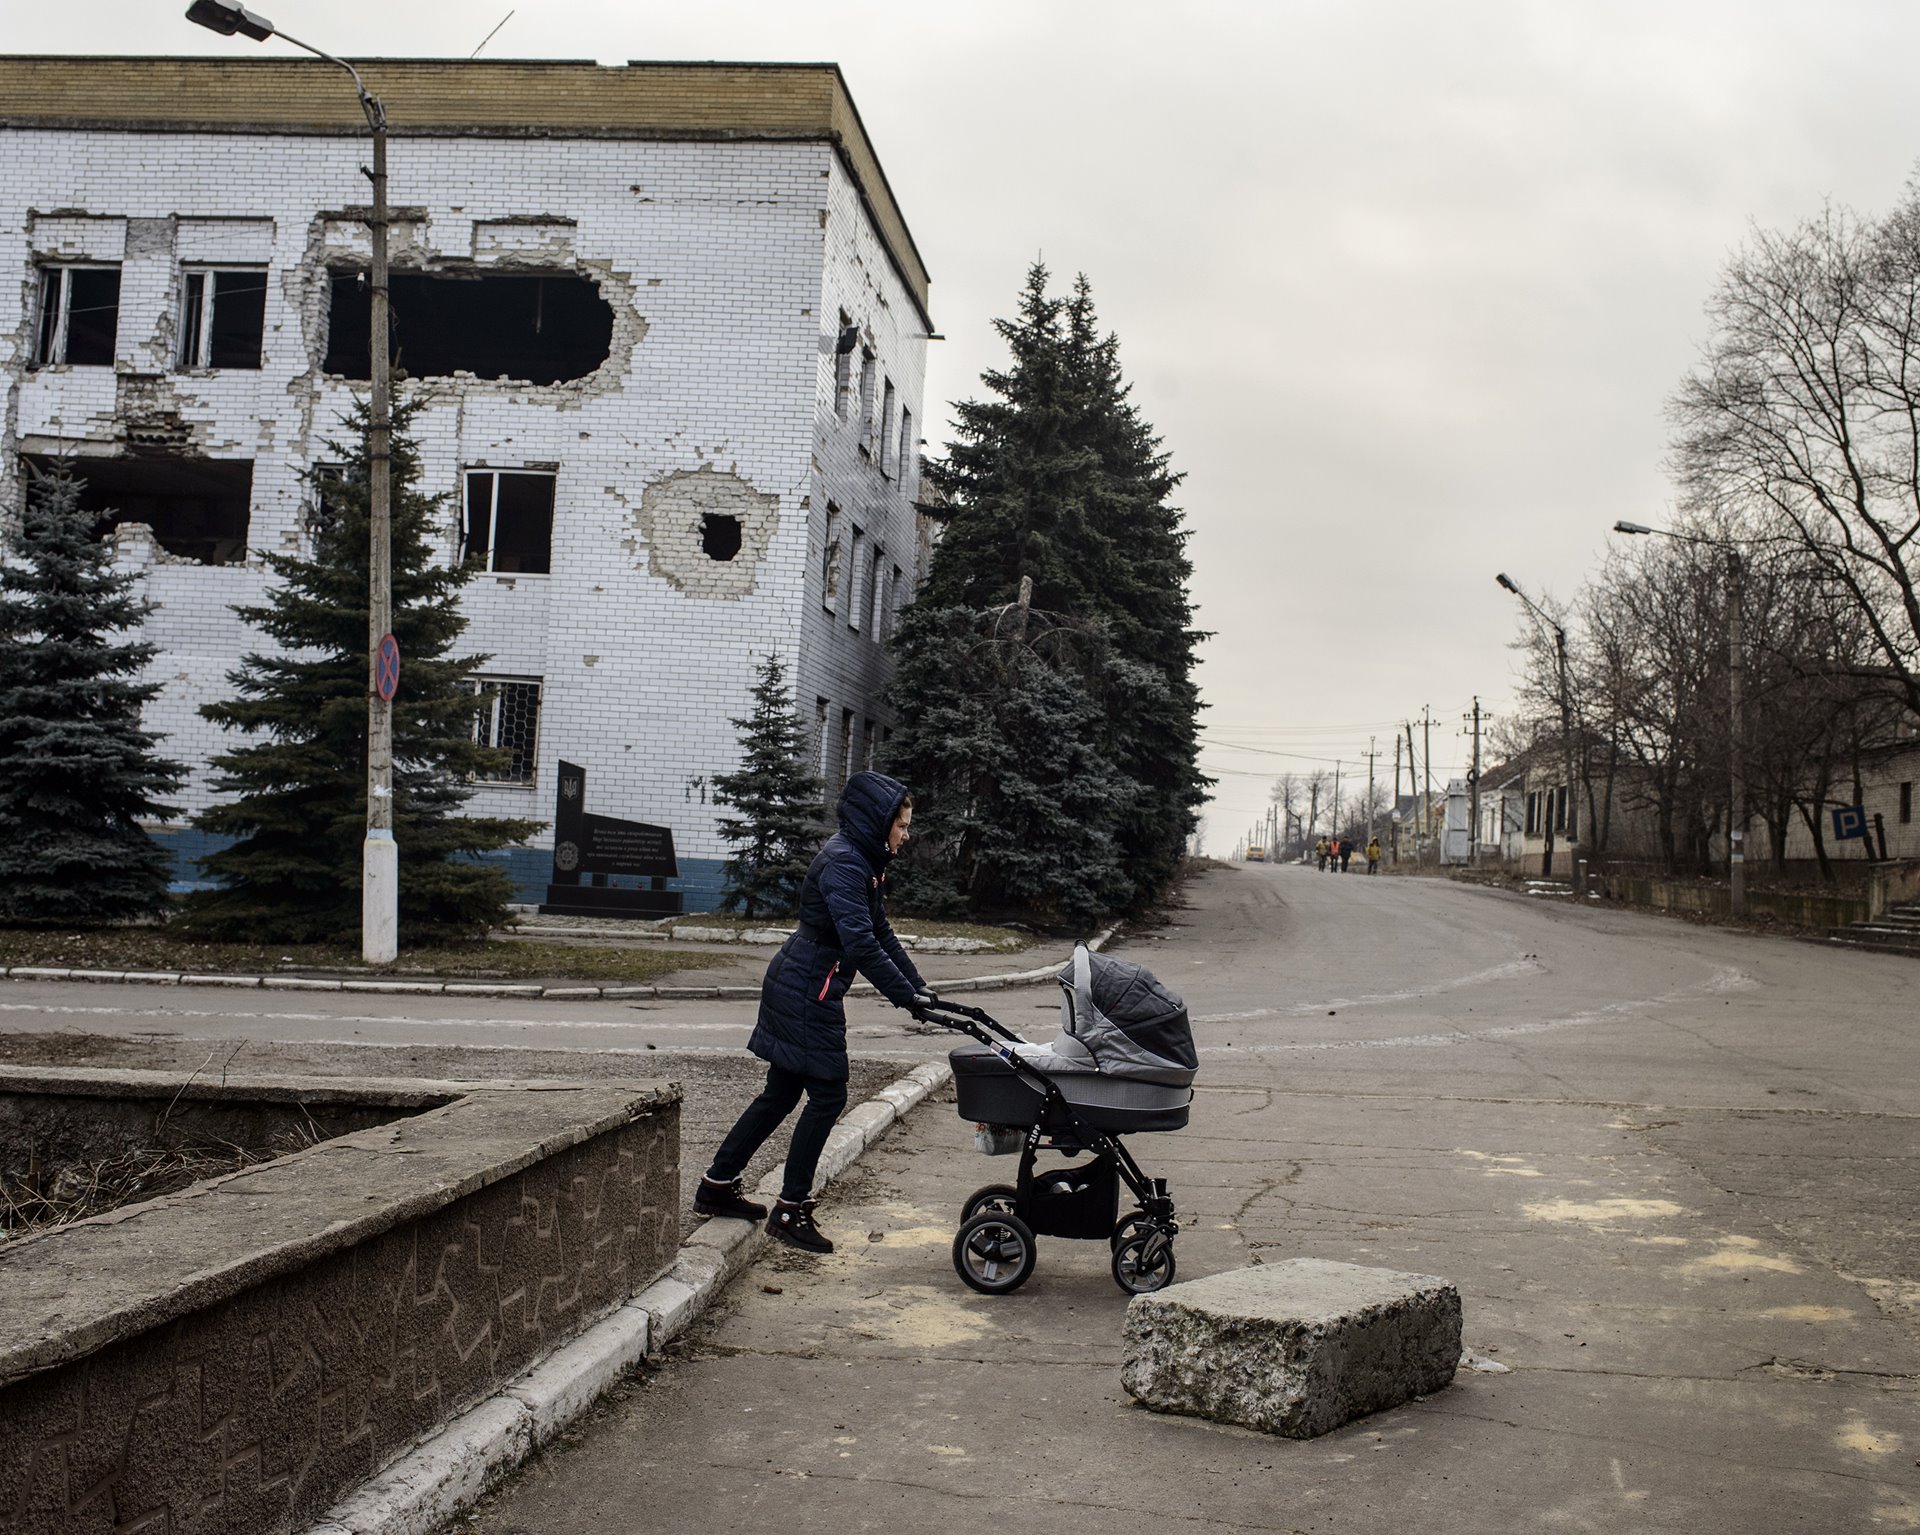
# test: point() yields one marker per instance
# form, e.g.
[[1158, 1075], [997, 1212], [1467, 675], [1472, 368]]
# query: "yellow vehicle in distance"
[[1256, 855]]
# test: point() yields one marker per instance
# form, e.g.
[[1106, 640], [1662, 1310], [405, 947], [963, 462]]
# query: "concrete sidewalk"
[[1658, 1350]]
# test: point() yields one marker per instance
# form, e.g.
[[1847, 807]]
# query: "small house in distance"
[[667, 325]]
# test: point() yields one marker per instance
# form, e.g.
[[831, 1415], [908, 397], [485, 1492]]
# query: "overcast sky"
[[1404, 286]]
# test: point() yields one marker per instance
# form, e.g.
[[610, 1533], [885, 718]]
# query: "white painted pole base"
[[380, 899]]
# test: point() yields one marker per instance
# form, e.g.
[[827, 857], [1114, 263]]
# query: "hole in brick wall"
[[719, 535], [197, 508], [538, 328]]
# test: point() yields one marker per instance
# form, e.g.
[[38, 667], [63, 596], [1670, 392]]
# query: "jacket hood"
[[866, 810]]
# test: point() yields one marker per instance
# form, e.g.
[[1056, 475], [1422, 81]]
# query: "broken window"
[[866, 401], [820, 738], [856, 557], [886, 429], [843, 758], [877, 586], [509, 720], [79, 315], [903, 460], [197, 507], [830, 561], [843, 364], [509, 525], [535, 328], [223, 314], [719, 535]]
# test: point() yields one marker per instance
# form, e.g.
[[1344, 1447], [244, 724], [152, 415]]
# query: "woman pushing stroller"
[[801, 1032]]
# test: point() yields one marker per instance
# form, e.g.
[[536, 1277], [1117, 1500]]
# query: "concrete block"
[[572, 1377], [670, 1303], [688, 993], [1295, 1348], [220, 980], [297, 983], [844, 1145], [444, 1474], [571, 993], [97, 975], [40, 973], [155, 977], [872, 1119], [402, 988], [617, 993]]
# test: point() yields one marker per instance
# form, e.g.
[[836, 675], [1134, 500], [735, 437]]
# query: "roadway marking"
[[1724, 978], [1511, 969]]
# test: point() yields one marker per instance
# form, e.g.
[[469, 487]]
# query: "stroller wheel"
[[1133, 1225], [1143, 1263], [994, 1253], [1000, 1198]]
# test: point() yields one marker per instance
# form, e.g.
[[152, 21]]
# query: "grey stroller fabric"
[[1117, 1021]]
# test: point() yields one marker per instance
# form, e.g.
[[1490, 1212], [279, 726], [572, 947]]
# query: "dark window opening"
[[1906, 804], [509, 522], [79, 315], [509, 721], [719, 535], [223, 316], [537, 329], [197, 508]]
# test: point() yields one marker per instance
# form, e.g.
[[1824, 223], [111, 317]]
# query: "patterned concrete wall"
[[252, 1416]]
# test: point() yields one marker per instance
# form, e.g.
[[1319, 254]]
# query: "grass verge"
[[155, 948]]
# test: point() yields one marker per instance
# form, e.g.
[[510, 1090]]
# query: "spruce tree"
[[77, 772], [1057, 482], [777, 797], [299, 782]]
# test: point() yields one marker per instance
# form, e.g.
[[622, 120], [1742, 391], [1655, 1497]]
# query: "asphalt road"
[[1671, 1167]]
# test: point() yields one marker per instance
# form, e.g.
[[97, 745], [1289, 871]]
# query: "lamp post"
[[1566, 723], [380, 855], [1736, 691]]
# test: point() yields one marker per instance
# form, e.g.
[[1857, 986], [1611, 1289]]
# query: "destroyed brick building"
[[667, 324]]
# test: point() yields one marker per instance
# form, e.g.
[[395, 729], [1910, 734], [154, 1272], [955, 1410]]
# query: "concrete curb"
[[449, 1472], [510, 988]]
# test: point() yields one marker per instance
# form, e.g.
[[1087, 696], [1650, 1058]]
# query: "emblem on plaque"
[[567, 856]]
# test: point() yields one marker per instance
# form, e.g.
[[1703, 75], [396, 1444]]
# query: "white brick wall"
[[728, 265]]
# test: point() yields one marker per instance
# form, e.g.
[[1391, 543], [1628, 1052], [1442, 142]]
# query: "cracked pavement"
[[1670, 1167]]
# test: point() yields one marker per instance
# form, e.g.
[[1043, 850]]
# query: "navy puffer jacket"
[[843, 928]]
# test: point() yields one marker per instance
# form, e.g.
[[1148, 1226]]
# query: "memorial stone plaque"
[[596, 846]]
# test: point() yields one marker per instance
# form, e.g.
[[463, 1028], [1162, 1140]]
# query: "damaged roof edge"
[[509, 98]]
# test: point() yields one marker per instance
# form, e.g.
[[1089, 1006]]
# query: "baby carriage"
[[1124, 1061]]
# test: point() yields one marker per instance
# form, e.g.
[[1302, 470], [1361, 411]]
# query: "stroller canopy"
[[1117, 1019]]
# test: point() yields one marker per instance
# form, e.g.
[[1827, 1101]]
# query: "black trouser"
[[825, 1100]]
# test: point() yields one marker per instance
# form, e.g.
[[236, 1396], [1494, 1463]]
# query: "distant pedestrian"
[[802, 1029], [1373, 855], [1320, 853], [1346, 854]]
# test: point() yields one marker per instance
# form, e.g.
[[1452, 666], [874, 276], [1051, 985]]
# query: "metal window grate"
[[510, 719]]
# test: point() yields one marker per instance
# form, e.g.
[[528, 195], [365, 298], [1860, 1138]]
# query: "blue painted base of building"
[[700, 882]]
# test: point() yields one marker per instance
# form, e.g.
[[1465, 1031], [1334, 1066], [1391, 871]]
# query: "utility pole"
[[1335, 828], [1473, 785], [1413, 787], [1370, 756], [1426, 761], [1736, 690], [1393, 822]]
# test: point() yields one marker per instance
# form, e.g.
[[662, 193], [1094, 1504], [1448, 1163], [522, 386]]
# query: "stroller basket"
[[992, 1092]]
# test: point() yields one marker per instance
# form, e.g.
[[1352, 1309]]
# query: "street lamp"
[[1566, 722], [380, 855], [1736, 688]]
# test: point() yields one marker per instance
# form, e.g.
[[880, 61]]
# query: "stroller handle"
[[956, 1016]]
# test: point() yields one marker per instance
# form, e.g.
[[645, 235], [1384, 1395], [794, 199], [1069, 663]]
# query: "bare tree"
[[1803, 416]]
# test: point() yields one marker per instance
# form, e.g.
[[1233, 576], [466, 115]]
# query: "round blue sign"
[[386, 670]]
